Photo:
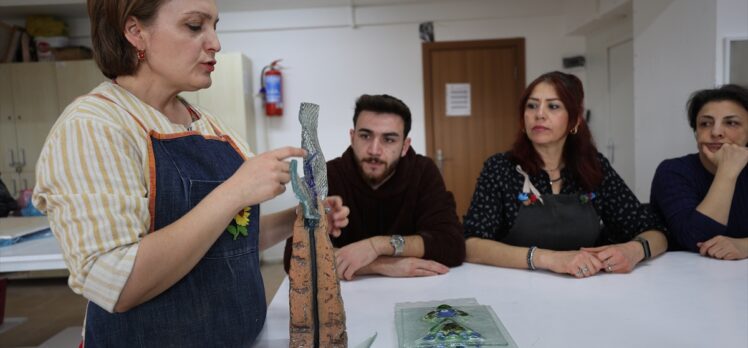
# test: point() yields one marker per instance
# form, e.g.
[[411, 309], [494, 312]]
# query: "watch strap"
[[645, 245]]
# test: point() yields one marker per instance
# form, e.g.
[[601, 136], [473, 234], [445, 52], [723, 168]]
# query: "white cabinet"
[[32, 96], [230, 96], [29, 108], [76, 78]]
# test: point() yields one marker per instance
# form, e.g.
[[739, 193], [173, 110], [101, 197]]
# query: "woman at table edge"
[[703, 197], [510, 223]]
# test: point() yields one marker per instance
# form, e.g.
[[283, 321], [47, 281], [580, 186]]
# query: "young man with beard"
[[402, 220]]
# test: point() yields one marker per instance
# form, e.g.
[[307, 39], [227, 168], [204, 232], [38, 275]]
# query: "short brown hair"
[[383, 104], [114, 55]]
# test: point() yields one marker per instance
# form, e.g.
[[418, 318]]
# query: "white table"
[[677, 300], [33, 255]]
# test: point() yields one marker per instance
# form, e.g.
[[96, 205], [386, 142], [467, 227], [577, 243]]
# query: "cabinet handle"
[[12, 159], [440, 160], [23, 157]]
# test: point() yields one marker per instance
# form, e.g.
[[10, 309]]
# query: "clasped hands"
[[614, 258]]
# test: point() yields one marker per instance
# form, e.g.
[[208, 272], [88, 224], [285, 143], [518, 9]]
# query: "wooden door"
[[494, 71]]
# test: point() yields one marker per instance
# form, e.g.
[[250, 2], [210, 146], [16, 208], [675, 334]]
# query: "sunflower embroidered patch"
[[238, 225]]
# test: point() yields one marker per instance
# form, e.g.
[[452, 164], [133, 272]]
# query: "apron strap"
[[528, 186], [196, 116]]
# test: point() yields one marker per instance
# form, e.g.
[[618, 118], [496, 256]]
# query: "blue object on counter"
[[30, 210], [4, 242]]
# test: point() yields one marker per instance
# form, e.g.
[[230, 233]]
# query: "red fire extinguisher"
[[271, 91]]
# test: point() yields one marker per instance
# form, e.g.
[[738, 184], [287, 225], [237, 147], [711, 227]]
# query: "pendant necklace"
[[552, 181]]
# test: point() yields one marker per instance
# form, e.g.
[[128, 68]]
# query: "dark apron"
[[221, 301], [558, 222]]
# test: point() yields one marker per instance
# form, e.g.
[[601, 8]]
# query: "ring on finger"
[[585, 270], [580, 272], [609, 268]]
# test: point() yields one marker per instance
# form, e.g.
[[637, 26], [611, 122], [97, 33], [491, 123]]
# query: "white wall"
[[596, 89], [674, 55], [334, 54], [330, 63]]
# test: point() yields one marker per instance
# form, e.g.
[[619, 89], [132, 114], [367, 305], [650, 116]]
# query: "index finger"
[[605, 254], [706, 245], [334, 202], [708, 153], [434, 266], [286, 152], [595, 249]]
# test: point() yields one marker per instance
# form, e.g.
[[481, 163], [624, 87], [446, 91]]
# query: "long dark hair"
[[580, 153]]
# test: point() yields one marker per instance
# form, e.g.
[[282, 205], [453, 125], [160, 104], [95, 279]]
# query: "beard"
[[374, 179]]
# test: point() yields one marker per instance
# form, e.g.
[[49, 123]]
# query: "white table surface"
[[33, 255], [677, 300]]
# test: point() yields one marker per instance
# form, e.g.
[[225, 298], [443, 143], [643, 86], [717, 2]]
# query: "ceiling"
[[77, 8]]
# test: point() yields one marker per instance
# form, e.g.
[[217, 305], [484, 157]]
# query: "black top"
[[679, 186], [495, 204]]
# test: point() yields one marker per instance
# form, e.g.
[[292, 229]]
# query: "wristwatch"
[[398, 243], [645, 246]]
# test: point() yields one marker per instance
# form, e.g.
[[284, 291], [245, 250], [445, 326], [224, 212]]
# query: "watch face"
[[398, 243]]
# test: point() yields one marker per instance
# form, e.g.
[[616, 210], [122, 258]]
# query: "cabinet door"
[[35, 106], [10, 179], [74, 79], [230, 96], [26, 180], [8, 145]]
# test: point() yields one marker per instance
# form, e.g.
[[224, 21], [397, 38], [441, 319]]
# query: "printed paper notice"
[[458, 99]]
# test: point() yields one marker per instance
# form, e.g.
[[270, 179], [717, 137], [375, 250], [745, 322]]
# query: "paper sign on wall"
[[458, 99]]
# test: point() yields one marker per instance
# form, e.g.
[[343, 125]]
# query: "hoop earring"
[[141, 55], [574, 130]]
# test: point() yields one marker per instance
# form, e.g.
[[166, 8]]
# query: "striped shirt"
[[92, 182]]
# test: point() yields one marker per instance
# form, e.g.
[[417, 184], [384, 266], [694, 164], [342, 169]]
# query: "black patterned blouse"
[[495, 205]]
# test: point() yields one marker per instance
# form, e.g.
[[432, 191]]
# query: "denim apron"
[[221, 301], [556, 222]]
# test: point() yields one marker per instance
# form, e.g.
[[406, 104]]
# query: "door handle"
[[440, 161], [611, 151]]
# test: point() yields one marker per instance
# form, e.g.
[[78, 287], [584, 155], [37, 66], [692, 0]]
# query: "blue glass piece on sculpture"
[[309, 176], [301, 190]]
